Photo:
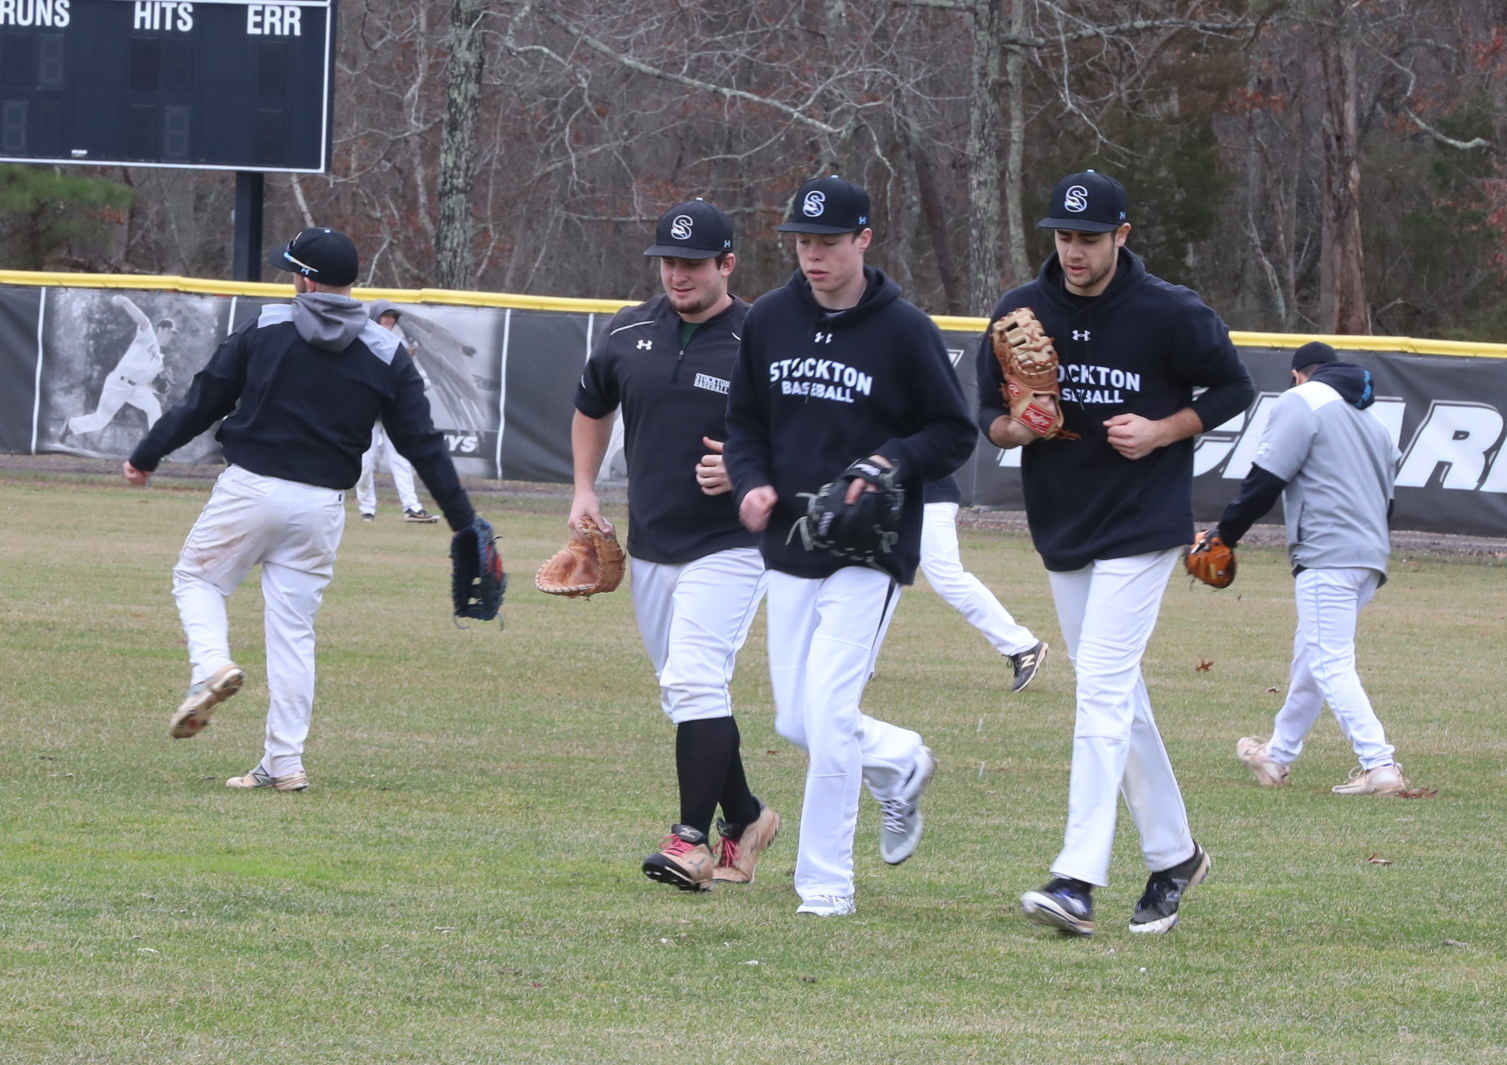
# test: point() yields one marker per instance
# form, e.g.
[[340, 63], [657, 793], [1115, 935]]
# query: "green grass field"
[[461, 883]]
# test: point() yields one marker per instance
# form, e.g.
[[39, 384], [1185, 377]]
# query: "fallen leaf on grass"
[[1377, 859], [1272, 690], [1204, 665]]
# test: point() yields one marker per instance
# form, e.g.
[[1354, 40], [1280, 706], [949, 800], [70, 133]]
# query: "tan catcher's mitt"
[[590, 562], [1029, 364]]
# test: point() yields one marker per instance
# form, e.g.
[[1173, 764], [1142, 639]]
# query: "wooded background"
[[1331, 166]]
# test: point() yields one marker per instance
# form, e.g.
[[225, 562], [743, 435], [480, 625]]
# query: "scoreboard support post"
[[248, 225]]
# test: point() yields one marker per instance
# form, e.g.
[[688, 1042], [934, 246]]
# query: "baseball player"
[[382, 449], [1334, 465], [298, 389], [130, 383], [1109, 504], [697, 576], [942, 564], [835, 367]]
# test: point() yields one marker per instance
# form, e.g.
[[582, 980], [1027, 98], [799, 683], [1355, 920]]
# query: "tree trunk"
[[934, 219], [984, 256], [454, 248], [1342, 304], [1018, 268]]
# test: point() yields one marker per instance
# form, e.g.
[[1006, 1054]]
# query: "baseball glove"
[[590, 562], [1029, 364], [477, 582], [864, 530], [1211, 560]]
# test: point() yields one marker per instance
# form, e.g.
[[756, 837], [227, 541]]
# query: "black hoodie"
[[814, 390], [1141, 347], [299, 389]]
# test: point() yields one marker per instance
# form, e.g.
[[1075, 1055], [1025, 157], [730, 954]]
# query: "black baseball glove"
[[477, 582], [864, 530]]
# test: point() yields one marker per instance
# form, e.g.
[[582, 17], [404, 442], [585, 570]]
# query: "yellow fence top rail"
[[452, 297]]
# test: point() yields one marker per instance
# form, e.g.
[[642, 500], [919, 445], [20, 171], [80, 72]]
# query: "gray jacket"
[[1340, 466]]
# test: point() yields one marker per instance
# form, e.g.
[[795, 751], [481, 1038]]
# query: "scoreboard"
[[204, 84]]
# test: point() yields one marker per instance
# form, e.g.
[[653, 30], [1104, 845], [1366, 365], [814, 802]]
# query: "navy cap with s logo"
[[692, 230], [1087, 202], [827, 205]]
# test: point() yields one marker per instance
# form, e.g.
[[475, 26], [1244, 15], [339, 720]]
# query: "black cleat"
[[1027, 664], [1062, 903], [1157, 910]]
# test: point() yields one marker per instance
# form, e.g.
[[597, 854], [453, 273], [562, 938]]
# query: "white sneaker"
[[1252, 752], [827, 906], [260, 778], [1383, 780], [900, 831], [200, 702]]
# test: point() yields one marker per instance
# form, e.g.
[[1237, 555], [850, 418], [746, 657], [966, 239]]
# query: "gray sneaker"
[[200, 702], [900, 830]]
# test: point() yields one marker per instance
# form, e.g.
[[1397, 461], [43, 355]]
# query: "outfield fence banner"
[[88, 362]]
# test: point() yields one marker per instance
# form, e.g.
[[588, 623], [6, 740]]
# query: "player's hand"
[[756, 507], [137, 477], [859, 485], [711, 473], [1133, 436], [586, 504]]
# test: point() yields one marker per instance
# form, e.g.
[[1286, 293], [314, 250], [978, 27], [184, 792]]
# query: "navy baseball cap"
[[827, 205], [1087, 202], [692, 230], [320, 254], [1315, 351]]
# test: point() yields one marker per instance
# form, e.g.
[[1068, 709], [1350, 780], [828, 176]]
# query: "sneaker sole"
[[825, 911], [1044, 911], [660, 869], [300, 783], [1167, 924], [195, 713], [1380, 793]]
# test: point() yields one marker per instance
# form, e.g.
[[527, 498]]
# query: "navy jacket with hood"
[[299, 390], [1143, 346], [813, 390]]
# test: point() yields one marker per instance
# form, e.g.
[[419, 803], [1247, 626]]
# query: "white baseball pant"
[[942, 565], [1323, 667], [1107, 612], [401, 469], [694, 619], [821, 641], [293, 532]]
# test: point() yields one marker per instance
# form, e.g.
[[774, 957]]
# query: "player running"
[[697, 576]]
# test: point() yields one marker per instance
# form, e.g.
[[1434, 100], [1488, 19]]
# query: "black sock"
[[703, 750], [739, 804]]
